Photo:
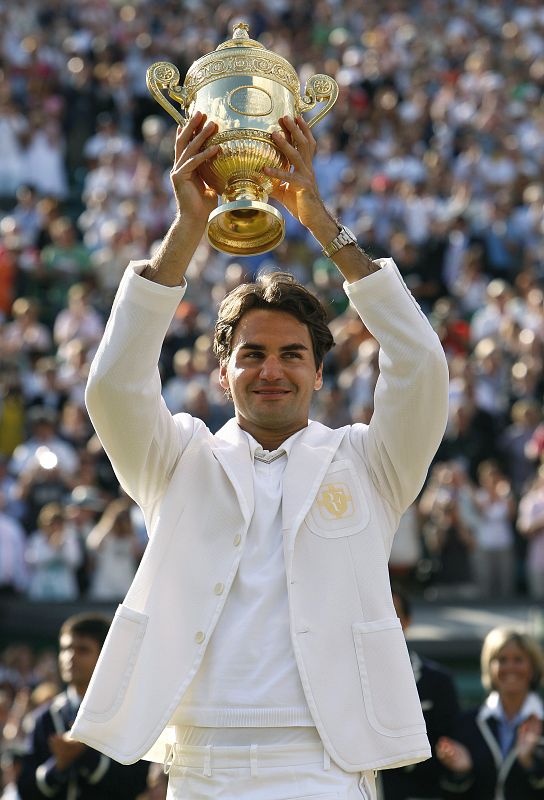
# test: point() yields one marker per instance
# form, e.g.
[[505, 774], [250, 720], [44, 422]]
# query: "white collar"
[[267, 456], [532, 706]]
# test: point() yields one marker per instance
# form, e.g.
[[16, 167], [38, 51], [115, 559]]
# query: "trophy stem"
[[244, 190]]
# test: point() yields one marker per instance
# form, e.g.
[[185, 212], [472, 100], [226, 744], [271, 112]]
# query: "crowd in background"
[[434, 154]]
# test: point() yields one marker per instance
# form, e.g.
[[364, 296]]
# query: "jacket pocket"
[[340, 507], [387, 679], [115, 665]]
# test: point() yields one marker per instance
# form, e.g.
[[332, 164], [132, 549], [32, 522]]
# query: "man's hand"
[[298, 191], [65, 750], [195, 200], [193, 197]]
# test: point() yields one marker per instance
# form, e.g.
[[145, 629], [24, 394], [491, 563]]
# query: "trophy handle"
[[319, 89], [164, 75]]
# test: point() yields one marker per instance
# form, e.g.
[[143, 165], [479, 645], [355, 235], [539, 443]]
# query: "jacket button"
[[219, 588], [199, 637], [237, 539]]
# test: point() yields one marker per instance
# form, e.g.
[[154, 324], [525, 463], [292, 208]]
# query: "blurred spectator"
[[442, 171], [11, 763], [83, 508], [440, 705], [45, 391], [494, 554], [42, 483], [530, 523], [513, 441], [13, 126], [13, 568], [43, 439], [496, 750], [407, 548], [25, 333], [55, 765], [66, 261], [12, 414], [450, 522], [78, 321], [114, 551], [53, 555], [157, 784]]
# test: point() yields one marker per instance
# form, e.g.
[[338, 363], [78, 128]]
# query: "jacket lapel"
[[231, 448]]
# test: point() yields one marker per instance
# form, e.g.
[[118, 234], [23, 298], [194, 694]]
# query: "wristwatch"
[[344, 237]]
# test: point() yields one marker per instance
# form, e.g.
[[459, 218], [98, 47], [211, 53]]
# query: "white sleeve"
[[123, 395], [411, 395]]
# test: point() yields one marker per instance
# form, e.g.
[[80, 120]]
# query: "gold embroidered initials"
[[335, 501]]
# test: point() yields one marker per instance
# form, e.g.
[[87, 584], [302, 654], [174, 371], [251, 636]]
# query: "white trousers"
[[262, 772]]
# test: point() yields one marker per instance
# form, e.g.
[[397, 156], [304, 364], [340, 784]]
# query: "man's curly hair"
[[273, 291]]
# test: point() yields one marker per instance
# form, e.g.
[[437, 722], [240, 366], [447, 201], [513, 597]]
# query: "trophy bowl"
[[245, 89]]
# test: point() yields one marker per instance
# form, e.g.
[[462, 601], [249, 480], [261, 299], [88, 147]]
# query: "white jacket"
[[344, 492]]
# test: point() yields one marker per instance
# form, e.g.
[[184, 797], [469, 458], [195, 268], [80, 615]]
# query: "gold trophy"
[[245, 89]]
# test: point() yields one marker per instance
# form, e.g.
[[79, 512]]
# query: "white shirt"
[[249, 677]]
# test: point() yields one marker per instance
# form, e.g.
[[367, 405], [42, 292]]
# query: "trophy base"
[[245, 227]]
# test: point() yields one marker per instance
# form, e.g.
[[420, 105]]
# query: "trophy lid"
[[240, 56], [240, 38]]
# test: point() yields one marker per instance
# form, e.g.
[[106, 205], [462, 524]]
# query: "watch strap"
[[343, 238]]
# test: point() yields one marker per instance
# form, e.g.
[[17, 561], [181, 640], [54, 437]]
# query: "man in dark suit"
[[54, 765], [440, 706]]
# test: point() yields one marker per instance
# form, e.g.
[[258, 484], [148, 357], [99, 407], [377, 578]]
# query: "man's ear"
[[223, 377], [318, 378]]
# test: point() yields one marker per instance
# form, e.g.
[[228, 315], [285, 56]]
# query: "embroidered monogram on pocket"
[[340, 507]]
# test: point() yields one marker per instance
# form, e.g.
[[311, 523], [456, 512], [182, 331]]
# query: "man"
[[57, 766], [440, 706], [257, 652]]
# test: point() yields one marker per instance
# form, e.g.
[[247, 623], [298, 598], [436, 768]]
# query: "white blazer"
[[344, 492]]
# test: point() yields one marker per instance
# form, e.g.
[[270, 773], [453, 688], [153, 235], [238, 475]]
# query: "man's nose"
[[271, 369]]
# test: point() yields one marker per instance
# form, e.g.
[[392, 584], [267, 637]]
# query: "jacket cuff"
[[148, 294]]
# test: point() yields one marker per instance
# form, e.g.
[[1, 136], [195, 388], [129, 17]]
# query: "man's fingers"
[[291, 152], [193, 162], [193, 135], [300, 132], [186, 132]]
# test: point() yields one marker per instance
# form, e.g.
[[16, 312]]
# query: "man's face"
[[271, 373], [77, 659]]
